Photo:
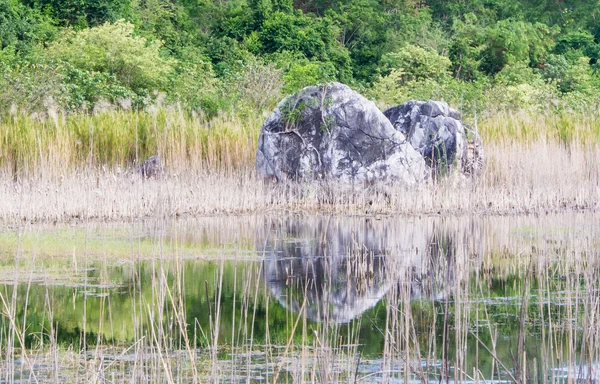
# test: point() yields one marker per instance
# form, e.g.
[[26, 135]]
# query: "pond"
[[302, 298]]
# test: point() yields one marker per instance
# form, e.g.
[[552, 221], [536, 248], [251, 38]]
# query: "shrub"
[[260, 84], [195, 87], [28, 87], [81, 89], [518, 73], [569, 77], [113, 49], [414, 63], [304, 72]]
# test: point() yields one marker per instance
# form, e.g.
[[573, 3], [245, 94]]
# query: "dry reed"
[[82, 167], [72, 171], [536, 178]]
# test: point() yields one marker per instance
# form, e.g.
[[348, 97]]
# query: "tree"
[[360, 27], [82, 13], [260, 11], [113, 48], [294, 33], [22, 27], [575, 44], [466, 46], [511, 41], [170, 23], [414, 63]]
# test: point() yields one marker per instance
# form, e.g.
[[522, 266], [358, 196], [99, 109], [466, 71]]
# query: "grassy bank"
[[83, 167]]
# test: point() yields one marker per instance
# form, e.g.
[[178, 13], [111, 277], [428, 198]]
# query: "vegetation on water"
[[471, 299]]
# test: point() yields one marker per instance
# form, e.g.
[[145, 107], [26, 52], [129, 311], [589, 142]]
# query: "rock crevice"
[[435, 131], [330, 132]]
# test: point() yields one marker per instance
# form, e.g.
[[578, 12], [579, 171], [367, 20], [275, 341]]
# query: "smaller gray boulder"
[[436, 132], [151, 167]]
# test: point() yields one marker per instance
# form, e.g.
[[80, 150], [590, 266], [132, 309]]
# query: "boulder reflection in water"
[[337, 268]]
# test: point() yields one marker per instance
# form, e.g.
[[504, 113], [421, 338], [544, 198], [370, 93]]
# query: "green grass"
[[124, 138], [118, 241], [118, 139], [526, 127]]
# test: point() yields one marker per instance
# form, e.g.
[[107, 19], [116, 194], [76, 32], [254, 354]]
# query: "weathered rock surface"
[[331, 132], [151, 167], [436, 132]]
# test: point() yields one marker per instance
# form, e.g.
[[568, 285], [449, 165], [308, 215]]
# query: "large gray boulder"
[[330, 132], [436, 132]]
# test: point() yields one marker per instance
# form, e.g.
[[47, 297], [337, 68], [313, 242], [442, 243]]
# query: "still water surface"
[[456, 298]]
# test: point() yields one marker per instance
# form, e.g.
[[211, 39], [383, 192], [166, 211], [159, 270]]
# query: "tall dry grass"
[[524, 127], [83, 166], [58, 143], [53, 147], [536, 178]]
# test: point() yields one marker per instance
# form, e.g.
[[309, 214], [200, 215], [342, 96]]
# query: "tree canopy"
[[203, 53]]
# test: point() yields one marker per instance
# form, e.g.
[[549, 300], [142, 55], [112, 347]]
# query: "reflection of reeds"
[[453, 330]]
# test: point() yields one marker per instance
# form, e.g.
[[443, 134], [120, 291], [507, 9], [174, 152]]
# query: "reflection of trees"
[[331, 268], [337, 268]]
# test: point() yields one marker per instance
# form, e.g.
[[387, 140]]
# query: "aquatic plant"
[[463, 299]]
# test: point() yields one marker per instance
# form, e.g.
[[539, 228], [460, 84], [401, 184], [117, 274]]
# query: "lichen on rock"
[[437, 133], [331, 132]]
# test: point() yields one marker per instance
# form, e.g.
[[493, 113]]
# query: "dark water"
[[468, 294]]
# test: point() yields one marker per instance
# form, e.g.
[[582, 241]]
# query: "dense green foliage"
[[241, 55]]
